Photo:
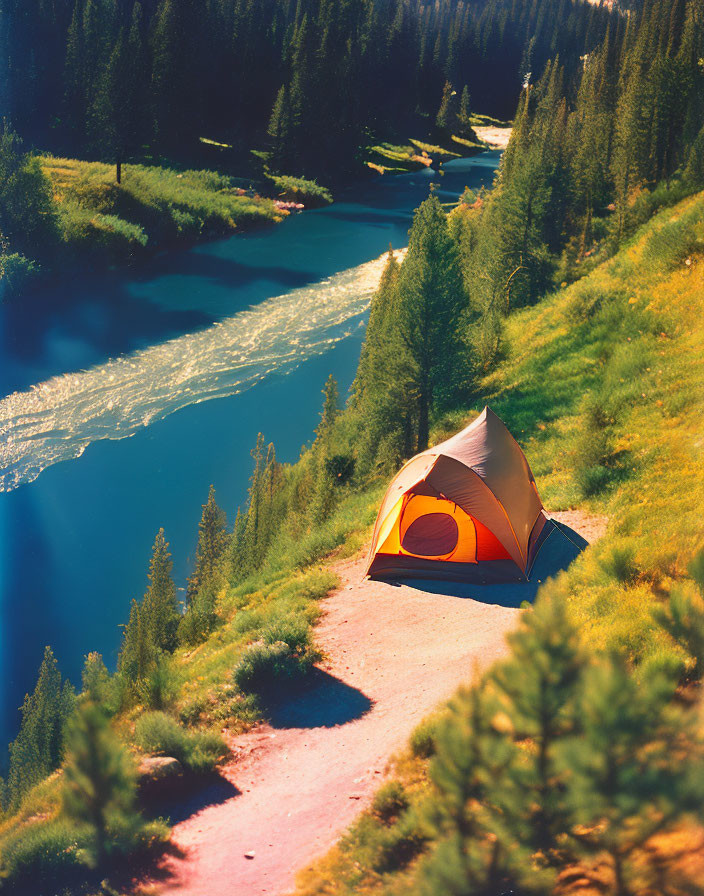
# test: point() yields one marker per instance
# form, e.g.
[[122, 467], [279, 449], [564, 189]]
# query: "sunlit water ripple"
[[56, 420]]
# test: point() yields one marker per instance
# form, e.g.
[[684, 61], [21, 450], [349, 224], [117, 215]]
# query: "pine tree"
[[446, 118], [325, 482], [95, 682], [279, 130], [627, 780], [39, 746], [330, 411], [138, 653], [431, 307], [537, 689], [379, 393], [160, 608], [98, 788], [212, 541], [471, 756], [117, 110], [464, 117], [682, 616], [75, 99]]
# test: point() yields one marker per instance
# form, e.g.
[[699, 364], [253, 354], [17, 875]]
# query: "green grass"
[[300, 189], [152, 207], [197, 751], [398, 158]]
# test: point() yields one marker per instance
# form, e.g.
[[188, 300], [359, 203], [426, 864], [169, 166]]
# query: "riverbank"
[[415, 155], [98, 224]]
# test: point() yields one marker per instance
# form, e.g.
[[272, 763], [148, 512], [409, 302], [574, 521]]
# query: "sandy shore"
[[497, 138]]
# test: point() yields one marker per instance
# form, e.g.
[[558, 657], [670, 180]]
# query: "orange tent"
[[466, 510]]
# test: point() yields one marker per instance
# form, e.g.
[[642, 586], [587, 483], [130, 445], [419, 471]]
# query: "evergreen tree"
[[446, 119], [117, 110], [39, 746], [627, 781], [98, 788], [537, 689], [160, 608], [279, 130], [431, 307], [472, 754], [212, 541], [325, 486], [464, 116], [330, 411], [379, 393], [682, 616], [95, 682], [138, 653]]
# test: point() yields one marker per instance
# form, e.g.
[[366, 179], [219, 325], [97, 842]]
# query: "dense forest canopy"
[[100, 78]]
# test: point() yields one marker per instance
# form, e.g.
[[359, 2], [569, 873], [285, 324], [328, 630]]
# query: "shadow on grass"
[[318, 700], [560, 548], [179, 798]]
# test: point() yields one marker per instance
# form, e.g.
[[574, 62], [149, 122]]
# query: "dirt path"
[[394, 654]]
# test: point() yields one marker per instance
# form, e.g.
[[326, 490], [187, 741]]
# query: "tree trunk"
[[118, 170], [423, 412], [621, 888]]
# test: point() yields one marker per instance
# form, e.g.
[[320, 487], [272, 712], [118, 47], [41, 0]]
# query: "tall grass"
[[152, 207]]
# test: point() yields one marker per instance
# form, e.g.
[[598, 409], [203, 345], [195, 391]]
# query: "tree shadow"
[[179, 798], [317, 701], [561, 547]]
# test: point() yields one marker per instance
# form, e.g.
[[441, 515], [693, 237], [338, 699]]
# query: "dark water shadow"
[[318, 701], [225, 270], [179, 798], [561, 547]]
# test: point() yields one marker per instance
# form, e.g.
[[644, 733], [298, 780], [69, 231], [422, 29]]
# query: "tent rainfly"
[[466, 510]]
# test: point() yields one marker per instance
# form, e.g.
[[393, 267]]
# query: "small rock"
[[250, 855], [157, 768]]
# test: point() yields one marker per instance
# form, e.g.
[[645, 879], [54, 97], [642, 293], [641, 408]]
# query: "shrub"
[[619, 563], [423, 739], [390, 801], [42, 853], [292, 631], [158, 690], [198, 751], [16, 272], [594, 480], [398, 848], [586, 299], [263, 664], [340, 468]]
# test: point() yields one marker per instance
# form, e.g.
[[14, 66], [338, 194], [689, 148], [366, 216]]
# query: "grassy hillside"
[[603, 385]]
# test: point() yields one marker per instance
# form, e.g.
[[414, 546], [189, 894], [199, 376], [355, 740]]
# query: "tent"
[[466, 510]]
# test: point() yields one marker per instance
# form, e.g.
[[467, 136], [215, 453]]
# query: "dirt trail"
[[394, 653]]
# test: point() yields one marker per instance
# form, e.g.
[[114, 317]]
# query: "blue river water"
[[123, 397]]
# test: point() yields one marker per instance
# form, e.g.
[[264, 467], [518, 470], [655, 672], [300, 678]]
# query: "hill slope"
[[603, 385]]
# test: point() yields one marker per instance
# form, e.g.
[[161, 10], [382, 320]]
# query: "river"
[[124, 396]]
